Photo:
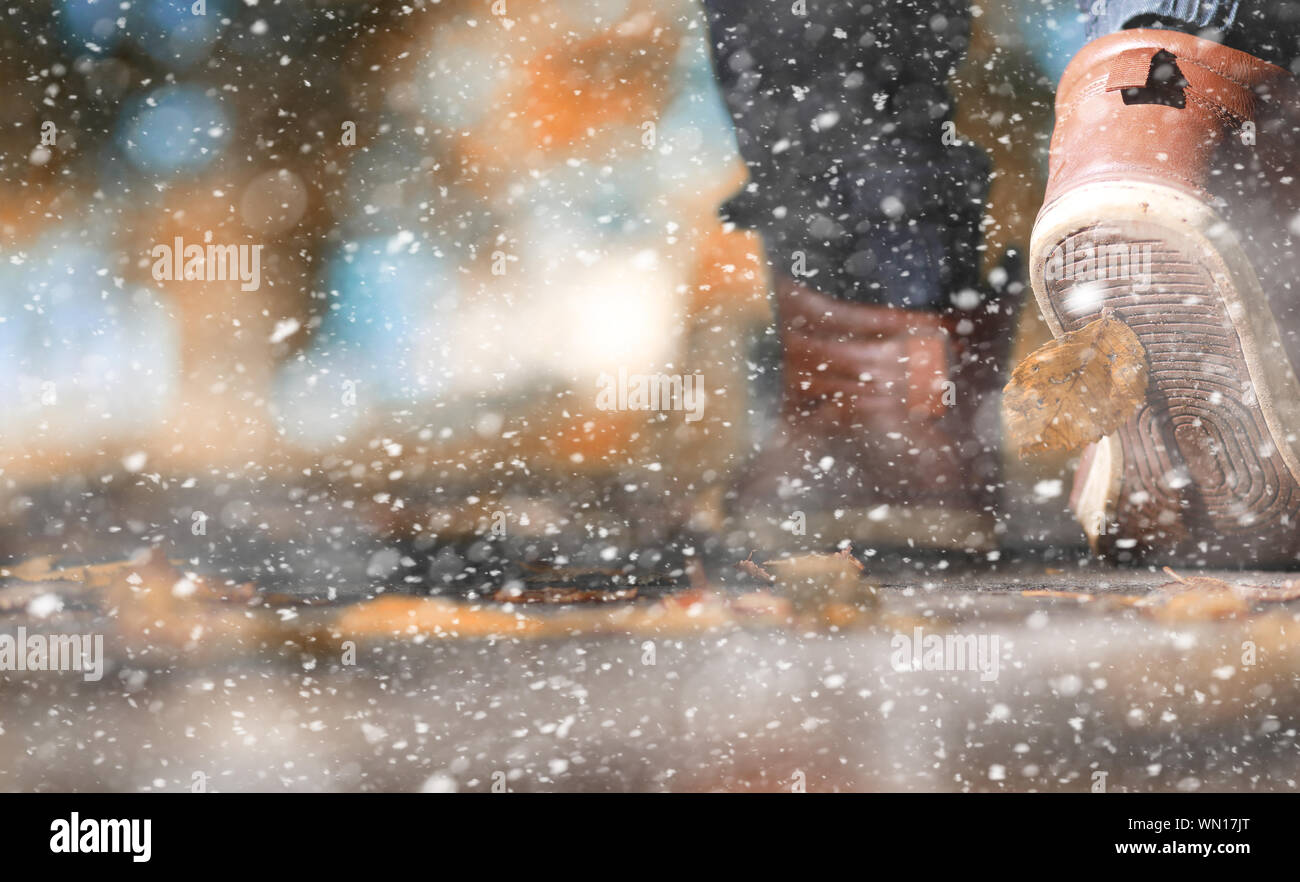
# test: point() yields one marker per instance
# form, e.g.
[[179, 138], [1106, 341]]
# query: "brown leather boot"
[[877, 442], [1173, 188]]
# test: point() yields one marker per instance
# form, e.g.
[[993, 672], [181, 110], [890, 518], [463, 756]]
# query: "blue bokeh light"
[[387, 334], [171, 34], [90, 23], [103, 351], [174, 129]]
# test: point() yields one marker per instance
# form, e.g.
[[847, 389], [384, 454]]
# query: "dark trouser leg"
[[840, 114], [1268, 30]]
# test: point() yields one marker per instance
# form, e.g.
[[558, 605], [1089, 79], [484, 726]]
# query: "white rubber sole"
[[1220, 375]]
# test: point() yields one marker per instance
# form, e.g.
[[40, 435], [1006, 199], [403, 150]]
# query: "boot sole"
[[1209, 467]]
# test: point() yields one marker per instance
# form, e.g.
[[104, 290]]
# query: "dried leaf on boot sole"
[[1075, 390]]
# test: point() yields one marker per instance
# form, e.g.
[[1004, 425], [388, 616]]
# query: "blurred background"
[[467, 210]]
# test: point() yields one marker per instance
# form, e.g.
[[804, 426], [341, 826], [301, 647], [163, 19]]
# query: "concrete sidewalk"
[[1083, 696]]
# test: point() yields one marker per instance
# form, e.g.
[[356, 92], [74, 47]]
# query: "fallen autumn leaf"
[[1077, 389]]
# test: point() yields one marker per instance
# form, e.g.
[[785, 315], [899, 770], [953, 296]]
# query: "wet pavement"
[[1046, 693]]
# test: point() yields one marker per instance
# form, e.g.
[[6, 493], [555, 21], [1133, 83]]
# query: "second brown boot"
[[886, 438]]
